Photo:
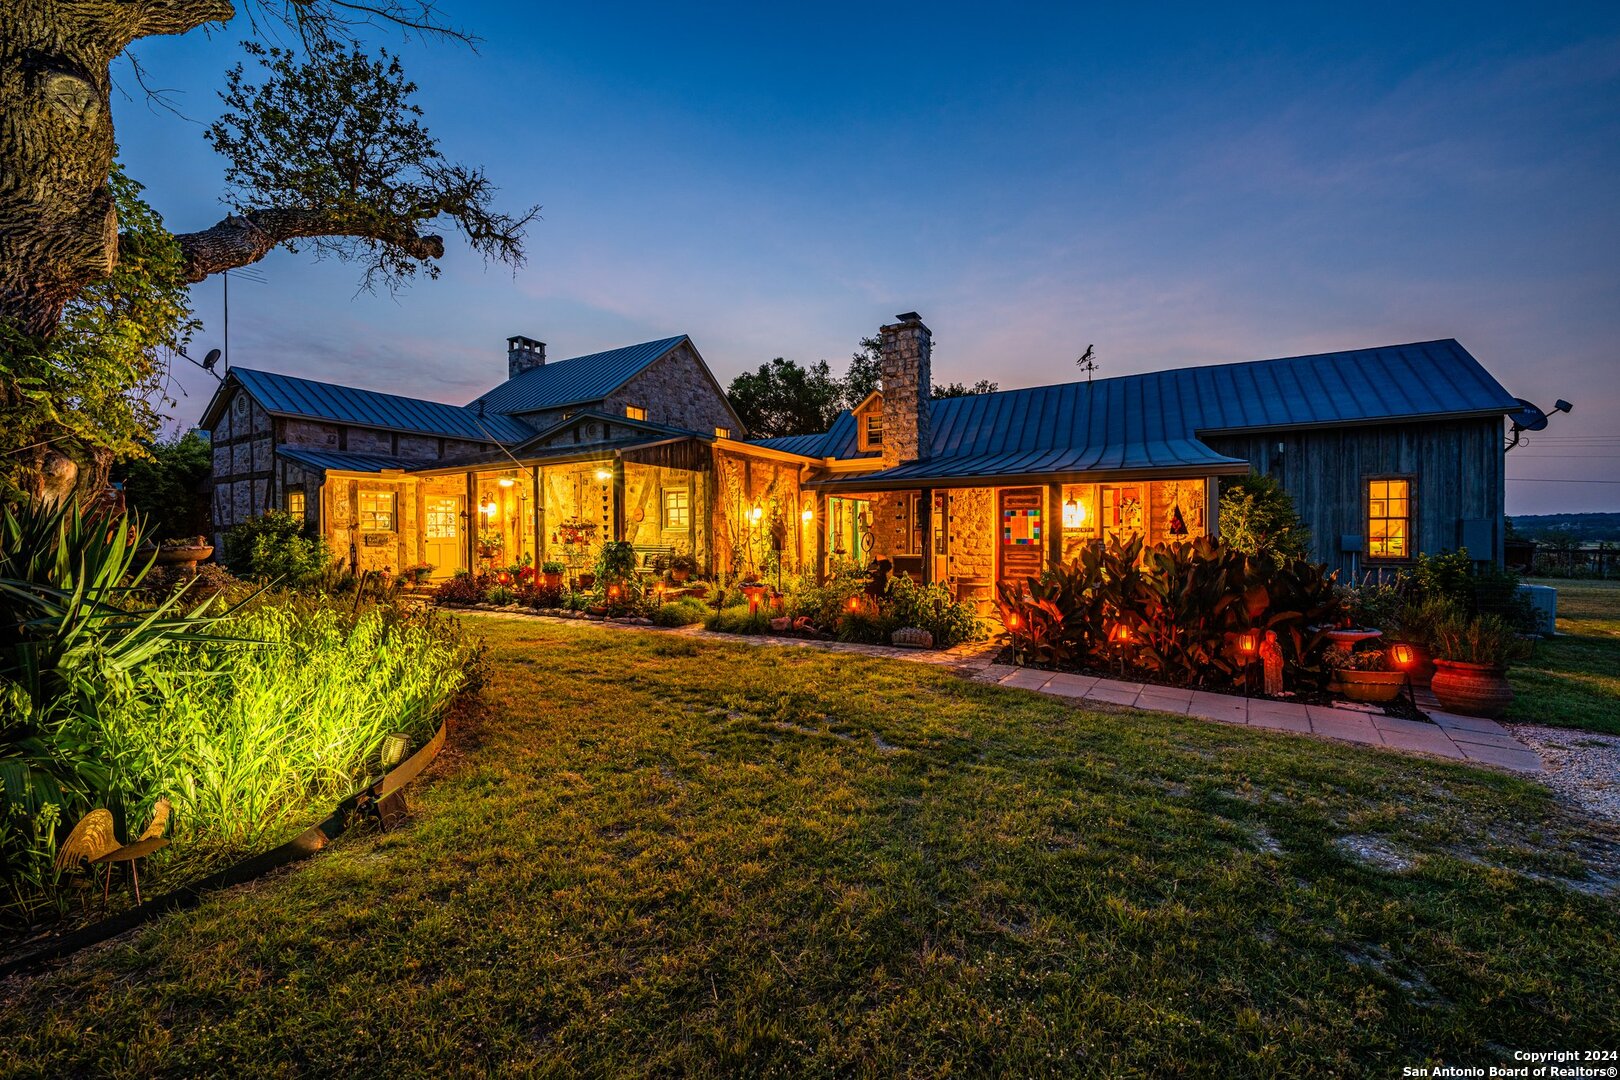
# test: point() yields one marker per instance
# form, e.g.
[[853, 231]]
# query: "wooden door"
[[1020, 533], [442, 542]]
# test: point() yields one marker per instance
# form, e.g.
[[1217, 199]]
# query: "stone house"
[[1388, 451]]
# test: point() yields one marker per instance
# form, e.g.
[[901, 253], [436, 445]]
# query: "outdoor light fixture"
[[1401, 654], [506, 481], [1120, 634], [604, 474], [808, 515], [1012, 620], [854, 603], [1074, 514], [613, 590], [488, 509], [1249, 643], [756, 513]]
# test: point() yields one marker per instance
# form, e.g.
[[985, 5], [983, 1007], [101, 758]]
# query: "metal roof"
[[575, 380], [1154, 420], [342, 459], [287, 395]]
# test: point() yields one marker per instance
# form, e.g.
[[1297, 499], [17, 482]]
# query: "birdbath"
[[184, 555], [1351, 636]]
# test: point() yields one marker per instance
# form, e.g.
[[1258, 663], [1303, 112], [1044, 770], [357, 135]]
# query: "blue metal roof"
[[575, 380], [342, 459], [287, 395], [1154, 420]]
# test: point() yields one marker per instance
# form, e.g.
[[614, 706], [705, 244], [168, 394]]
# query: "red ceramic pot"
[[1471, 689]]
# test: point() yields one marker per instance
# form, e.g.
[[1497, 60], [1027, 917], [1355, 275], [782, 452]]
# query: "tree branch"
[[241, 239]]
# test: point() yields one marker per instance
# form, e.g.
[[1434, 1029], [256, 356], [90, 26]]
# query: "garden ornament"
[[1271, 660]]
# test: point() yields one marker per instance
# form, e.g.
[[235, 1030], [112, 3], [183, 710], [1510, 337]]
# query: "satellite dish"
[[1528, 417], [210, 360]]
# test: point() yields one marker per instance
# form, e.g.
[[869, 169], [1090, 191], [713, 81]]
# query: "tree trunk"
[[58, 231]]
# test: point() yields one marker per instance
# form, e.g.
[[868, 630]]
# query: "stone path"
[[1461, 738]]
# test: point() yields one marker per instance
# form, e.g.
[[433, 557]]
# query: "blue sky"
[[1178, 185]]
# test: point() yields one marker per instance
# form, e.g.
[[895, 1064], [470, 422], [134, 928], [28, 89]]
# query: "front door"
[[443, 545], [1021, 533]]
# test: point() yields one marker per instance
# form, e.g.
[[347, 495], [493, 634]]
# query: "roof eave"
[[835, 484], [1394, 418]]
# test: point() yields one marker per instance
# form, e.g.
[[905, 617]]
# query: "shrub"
[[683, 612], [1183, 604], [1418, 618], [552, 566], [500, 595], [616, 563], [540, 596], [463, 588], [278, 547], [932, 608], [1376, 604], [1257, 517]]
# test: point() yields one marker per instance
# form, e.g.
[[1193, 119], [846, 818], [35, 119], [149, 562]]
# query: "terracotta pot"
[[1370, 686], [1472, 689], [553, 581], [679, 576]]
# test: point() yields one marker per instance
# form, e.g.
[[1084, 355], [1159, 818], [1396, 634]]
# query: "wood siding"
[[1456, 469]]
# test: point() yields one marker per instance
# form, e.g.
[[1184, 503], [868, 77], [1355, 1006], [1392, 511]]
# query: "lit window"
[[872, 431], [377, 511], [1389, 519], [635, 412], [722, 433], [295, 503], [677, 508]]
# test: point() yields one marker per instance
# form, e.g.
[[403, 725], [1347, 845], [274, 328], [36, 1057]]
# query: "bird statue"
[[93, 841]]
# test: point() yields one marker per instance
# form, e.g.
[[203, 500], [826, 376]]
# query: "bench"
[[646, 553]]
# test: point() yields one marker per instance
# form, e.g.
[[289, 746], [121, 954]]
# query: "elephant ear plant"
[[71, 639]]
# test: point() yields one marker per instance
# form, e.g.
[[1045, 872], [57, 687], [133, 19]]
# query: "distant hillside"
[[1582, 528]]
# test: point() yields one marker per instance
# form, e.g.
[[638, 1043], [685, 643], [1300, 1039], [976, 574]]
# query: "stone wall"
[[677, 390], [742, 483], [371, 550], [972, 532]]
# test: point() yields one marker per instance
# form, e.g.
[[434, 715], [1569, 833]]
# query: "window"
[[376, 511], [677, 508], [443, 514], [1389, 519], [872, 431], [722, 433], [635, 412], [295, 503]]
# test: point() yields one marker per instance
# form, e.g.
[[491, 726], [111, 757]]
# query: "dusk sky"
[[1178, 186]]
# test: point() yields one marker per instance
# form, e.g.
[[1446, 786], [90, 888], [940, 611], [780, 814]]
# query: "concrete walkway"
[[1461, 738]]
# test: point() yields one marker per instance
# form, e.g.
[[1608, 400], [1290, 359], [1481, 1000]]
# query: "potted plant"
[[681, 566], [552, 571], [1471, 657], [416, 574], [1363, 675], [1415, 625]]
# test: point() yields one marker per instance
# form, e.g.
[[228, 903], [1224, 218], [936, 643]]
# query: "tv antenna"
[[1529, 417], [1088, 361], [246, 273]]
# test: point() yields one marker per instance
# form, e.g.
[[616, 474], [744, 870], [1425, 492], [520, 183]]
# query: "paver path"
[[1462, 738]]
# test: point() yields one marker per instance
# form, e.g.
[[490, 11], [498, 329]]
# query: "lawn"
[[1573, 680], [648, 855]]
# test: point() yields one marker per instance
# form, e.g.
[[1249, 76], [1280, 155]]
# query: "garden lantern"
[[1011, 620], [1401, 655], [1120, 634], [613, 591], [854, 603], [1249, 644]]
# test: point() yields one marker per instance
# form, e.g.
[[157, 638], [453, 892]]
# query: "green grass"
[[1573, 680], [649, 855]]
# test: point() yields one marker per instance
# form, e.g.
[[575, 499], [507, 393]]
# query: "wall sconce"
[[756, 513], [604, 474], [1074, 514], [488, 509], [506, 481], [807, 516]]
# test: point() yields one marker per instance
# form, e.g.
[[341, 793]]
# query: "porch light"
[[756, 513], [506, 481], [1401, 655], [807, 516], [1074, 514], [604, 474]]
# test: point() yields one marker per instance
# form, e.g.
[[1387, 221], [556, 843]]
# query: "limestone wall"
[[972, 532], [742, 542], [677, 390]]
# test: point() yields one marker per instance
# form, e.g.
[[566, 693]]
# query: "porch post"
[[1054, 526], [474, 514], [821, 537], [539, 526], [618, 498], [925, 526], [1212, 506]]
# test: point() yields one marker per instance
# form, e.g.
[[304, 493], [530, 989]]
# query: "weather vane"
[[1088, 361]]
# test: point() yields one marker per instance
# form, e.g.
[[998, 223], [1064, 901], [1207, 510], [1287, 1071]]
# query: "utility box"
[[1544, 598]]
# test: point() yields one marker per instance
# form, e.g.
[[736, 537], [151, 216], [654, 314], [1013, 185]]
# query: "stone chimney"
[[523, 354], [908, 346]]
